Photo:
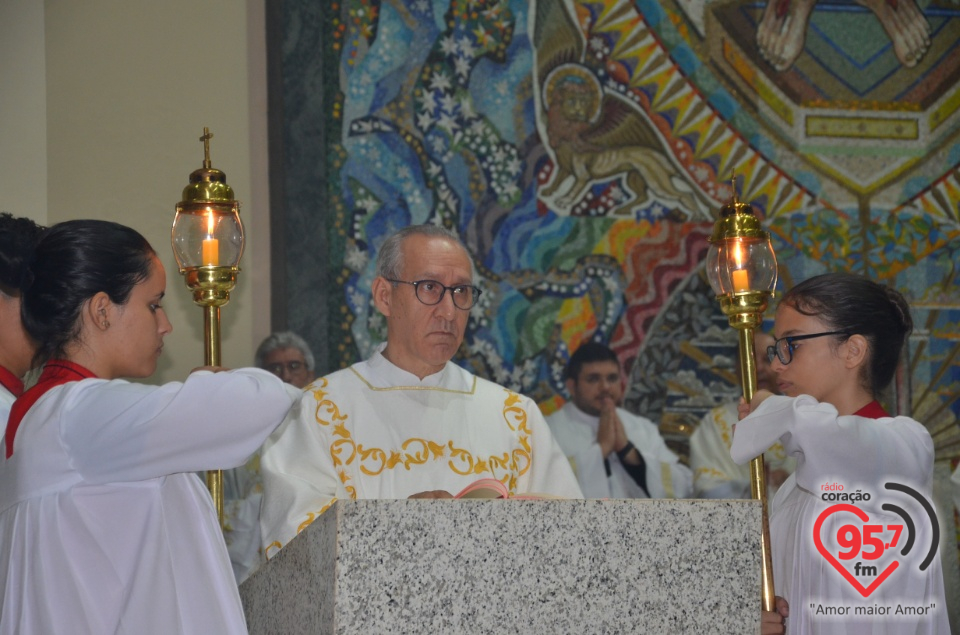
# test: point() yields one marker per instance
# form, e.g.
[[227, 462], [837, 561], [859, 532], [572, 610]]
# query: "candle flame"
[[209, 223], [738, 254]]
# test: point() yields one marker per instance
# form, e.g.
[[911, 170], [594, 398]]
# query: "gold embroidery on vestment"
[[374, 461]]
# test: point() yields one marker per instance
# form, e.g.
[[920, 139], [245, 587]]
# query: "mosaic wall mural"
[[583, 149]]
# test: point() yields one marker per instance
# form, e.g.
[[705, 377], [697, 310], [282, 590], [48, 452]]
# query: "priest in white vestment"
[[614, 453], [407, 422]]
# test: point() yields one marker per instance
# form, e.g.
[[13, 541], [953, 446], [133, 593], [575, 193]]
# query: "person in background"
[[104, 525], [408, 422], [839, 340], [286, 355], [715, 475], [614, 453], [17, 238]]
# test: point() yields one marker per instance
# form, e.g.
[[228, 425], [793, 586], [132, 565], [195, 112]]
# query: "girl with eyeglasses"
[[104, 525], [838, 529]]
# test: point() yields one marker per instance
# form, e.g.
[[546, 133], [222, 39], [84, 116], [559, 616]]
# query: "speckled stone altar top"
[[494, 567]]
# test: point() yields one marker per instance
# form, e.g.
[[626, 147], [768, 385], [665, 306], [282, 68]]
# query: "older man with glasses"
[[407, 422], [287, 356]]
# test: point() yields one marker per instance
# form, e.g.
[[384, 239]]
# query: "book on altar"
[[492, 488]]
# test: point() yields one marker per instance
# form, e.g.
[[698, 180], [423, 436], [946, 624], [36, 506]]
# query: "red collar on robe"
[[55, 373], [11, 382], [872, 410]]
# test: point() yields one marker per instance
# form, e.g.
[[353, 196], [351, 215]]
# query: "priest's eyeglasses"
[[430, 292], [783, 347]]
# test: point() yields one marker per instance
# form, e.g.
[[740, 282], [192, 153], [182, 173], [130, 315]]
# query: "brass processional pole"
[[207, 240], [742, 269]]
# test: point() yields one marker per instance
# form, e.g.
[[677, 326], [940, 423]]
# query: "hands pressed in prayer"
[[612, 436], [436, 493], [611, 428], [774, 622]]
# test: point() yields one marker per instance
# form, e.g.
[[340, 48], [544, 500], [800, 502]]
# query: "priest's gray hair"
[[283, 339], [390, 256]]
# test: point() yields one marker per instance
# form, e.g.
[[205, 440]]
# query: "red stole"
[[872, 410], [55, 373], [11, 382]]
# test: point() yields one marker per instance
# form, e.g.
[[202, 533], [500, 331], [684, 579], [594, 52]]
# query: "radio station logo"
[[866, 550]]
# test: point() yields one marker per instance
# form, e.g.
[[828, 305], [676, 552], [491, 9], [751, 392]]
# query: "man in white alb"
[[407, 422], [614, 453]]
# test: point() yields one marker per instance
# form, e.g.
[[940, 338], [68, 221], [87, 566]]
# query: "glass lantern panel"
[[736, 265], [207, 235]]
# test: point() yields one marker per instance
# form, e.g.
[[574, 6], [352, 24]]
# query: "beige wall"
[[23, 132], [129, 87]]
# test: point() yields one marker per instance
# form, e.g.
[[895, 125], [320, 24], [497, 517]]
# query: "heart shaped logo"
[[854, 539]]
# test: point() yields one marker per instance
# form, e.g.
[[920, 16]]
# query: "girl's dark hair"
[[856, 305], [73, 261], [17, 238]]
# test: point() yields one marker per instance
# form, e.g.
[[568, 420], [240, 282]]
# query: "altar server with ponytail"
[[104, 525]]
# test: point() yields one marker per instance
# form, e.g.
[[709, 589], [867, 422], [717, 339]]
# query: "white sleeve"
[[550, 472], [116, 431], [583, 454], [829, 446], [761, 429], [667, 477], [299, 476]]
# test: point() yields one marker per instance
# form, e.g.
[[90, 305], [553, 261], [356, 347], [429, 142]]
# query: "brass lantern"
[[741, 266], [742, 270], [207, 239]]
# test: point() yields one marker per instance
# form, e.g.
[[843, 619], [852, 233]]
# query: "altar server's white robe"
[[6, 401], [576, 432], [715, 474], [105, 527], [861, 454], [376, 431]]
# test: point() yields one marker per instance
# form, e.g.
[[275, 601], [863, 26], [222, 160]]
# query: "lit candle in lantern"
[[741, 281], [211, 246]]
